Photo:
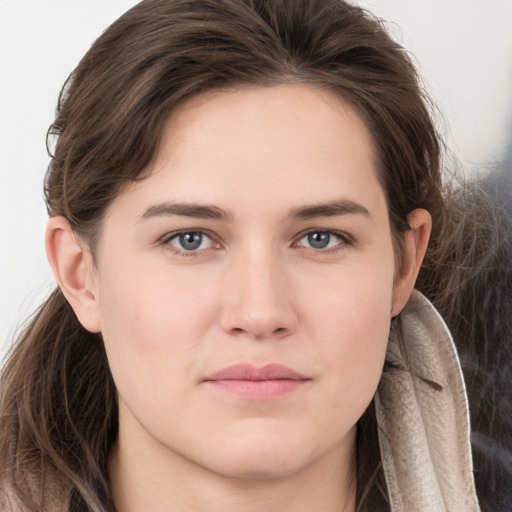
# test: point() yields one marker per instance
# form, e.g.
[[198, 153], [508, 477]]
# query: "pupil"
[[191, 241], [319, 240]]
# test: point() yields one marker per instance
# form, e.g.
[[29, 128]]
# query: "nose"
[[257, 300]]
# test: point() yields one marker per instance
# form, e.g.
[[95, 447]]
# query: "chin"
[[260, 468], [263, 458]]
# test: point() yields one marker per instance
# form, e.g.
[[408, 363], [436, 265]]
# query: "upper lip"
[[247, 371]]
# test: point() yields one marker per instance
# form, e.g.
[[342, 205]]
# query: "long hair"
[[58, 409], [467, 274]]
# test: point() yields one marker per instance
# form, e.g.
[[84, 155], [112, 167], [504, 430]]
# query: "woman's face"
[[245, 287]]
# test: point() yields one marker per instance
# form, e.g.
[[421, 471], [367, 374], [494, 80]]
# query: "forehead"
[[261, 148], [284, 117]]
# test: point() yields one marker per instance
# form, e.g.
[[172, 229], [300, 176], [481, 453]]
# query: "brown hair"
[[58, 410]]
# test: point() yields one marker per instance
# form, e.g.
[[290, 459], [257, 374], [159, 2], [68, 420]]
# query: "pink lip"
[[249, 381]]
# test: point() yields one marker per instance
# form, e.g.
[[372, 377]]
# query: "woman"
[[241, 195]]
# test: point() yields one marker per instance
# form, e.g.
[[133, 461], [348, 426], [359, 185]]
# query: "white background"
[[462, 47]]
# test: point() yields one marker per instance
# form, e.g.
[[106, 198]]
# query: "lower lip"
[[258, 389]]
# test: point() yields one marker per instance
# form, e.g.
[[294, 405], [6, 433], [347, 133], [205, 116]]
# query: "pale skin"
[[293, 264]]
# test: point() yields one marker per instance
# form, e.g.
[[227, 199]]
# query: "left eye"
[[190, 241], [321, 239]]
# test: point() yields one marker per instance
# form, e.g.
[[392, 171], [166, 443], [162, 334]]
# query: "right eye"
[[189, 242]]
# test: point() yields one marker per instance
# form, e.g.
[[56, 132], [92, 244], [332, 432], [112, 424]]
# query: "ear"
[[74, 271], [416, 241]]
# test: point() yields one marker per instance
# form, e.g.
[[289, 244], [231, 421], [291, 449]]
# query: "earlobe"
[[416, 242], [74, 271]]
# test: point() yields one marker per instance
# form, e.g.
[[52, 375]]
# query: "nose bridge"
[[257, 300]]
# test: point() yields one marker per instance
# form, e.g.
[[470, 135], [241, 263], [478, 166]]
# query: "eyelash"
[[345, 240]]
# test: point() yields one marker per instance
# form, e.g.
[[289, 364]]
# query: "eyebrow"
[[205, 211], [199, 211], [339, 207]]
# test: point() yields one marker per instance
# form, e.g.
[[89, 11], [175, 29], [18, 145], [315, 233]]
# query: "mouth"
[[248, 381]]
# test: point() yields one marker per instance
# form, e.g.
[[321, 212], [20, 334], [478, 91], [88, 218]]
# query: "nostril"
[[280, 331]]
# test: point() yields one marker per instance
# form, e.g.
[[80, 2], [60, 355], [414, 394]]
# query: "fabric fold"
[[423, 417]]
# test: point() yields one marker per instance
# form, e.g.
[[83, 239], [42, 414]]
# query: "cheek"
[[357, 359], [354, 329], [152, 331]]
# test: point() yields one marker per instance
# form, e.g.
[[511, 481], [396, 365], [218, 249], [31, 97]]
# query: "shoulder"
[[493, 474]]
